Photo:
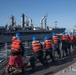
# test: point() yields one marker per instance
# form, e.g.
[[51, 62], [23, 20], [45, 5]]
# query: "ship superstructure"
[[27, 32]]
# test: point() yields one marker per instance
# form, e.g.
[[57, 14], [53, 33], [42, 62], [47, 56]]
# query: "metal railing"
[[5, 50]]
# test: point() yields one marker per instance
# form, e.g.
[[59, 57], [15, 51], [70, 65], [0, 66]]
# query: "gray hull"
[[26, 35], [58, 30]]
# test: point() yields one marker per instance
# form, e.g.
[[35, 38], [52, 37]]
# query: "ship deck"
[[53, 68]]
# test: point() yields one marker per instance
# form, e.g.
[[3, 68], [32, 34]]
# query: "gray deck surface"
[[51, 70], [70, 70]]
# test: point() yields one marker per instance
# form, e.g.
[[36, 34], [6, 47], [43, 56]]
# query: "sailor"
[[72, 39], [75, 41], [56, 43], [68, 44], [64, 43], [38, 53], [48, 48], [17, 51]]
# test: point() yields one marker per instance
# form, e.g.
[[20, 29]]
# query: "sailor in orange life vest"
[[38, 53], [68, 44], [64, 43], [48, 48], [72, 39], [17, 51], [75, 40], [56, 42]]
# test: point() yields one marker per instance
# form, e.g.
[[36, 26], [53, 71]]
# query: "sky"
[[62, 11]]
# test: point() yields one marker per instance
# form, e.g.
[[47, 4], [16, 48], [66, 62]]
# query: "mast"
[[55, 24], [22, 20]]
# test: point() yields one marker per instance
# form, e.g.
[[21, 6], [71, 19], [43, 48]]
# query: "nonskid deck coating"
[[53, 67]]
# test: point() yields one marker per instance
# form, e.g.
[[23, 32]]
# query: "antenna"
[[55, 24]]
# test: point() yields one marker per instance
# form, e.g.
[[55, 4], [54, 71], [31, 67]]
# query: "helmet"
[[46, 38], [63, 32], [19, 37], [18, 34], [70, 32], [74, 33], [14, 38], [53, 34], [34, 38]]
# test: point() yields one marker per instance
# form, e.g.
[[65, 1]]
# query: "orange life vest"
[[72, 37], [16, 45], [48, 44], [64, 37], [55, 39], [36, 46]]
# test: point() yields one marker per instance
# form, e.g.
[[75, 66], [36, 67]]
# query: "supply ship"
[[27, 29]]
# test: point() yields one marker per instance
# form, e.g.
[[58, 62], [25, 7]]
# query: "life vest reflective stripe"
[[16, 45], [72, 37], [36, 46], [55, 39], [48, 44], [64, 37]]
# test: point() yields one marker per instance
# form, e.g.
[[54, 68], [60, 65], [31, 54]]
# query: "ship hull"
[[26, 35], [58, 30]]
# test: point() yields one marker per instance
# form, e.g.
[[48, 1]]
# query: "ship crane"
[[12, 20], [30, 21], [41, 21]]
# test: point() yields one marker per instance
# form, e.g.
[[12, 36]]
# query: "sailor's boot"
[[59, 56], [22, 69], [8, 70]]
